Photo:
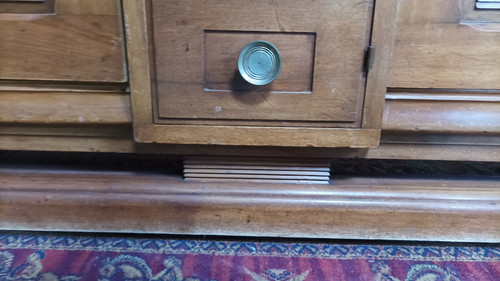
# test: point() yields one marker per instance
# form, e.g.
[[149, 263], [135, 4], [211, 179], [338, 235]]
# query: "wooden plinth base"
[[466, 210]]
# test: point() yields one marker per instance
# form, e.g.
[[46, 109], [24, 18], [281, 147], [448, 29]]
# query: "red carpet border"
[[56, 258]]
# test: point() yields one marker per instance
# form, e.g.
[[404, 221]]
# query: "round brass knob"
[[259, 63]]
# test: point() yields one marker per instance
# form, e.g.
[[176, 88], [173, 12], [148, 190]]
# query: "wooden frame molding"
[[458, 210]]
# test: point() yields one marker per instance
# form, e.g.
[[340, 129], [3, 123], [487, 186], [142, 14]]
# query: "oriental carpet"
[[71, 258]]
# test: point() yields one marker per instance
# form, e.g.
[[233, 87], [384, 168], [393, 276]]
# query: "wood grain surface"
[[463, 210], [259, 136], [88, 7], [221, 61], [383, 31], [338, 81], [443, 112], [27, 6], [456, 150], [149, 127], [452, 124], [46, 107], [80, 44], [439, 45]]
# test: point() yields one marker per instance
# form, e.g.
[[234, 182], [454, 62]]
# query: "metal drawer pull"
[[259, 63]]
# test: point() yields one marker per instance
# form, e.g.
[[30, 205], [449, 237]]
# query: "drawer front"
[[63, 40], [321, 43], [447, 44], [27, 6], [195, 68]]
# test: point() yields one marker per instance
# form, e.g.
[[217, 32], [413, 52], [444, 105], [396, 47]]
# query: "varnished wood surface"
[[446, 141], [181, 62], [422, 151], [139, 64], [418, 123], [429, 138], [84, 42], [63, 107], [440, 113], [456, 151], [81, 41], [222, 49], [86, 143], [445, 44], [112, 131], [88, 7], [260, 136], [443, 112], [62, 77], [27, 6], [143, 67], [383, 30], [464, 210]]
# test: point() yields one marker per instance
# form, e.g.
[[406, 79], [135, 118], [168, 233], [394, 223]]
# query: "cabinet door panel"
[[82, 47], [446, 44]]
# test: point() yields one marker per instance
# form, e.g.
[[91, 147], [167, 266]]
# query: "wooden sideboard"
[[433, 93]]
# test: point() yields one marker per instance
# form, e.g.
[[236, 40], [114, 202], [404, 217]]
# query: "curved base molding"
[[458, 210]]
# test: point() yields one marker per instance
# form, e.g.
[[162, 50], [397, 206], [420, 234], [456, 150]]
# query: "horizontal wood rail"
[[442, 111], [59, 107], [51, 118]]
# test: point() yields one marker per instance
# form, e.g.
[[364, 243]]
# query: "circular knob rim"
[[266, 51]]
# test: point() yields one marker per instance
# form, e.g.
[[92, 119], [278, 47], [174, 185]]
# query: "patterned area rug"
[[57, 258]]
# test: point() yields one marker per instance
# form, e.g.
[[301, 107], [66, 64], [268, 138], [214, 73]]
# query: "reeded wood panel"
[[446, 44]]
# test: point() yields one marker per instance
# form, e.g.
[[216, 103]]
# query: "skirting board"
[[457, 210]]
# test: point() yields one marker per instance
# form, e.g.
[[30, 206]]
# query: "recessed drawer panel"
[[224, 94], [221, 61]]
